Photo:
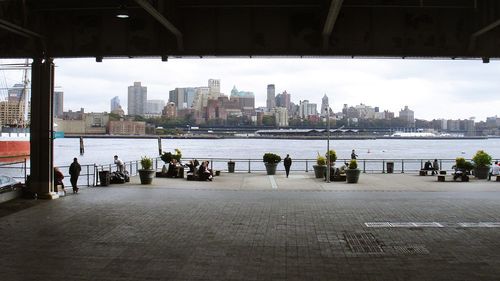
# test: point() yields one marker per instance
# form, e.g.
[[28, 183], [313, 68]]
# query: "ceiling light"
[[122, 12]]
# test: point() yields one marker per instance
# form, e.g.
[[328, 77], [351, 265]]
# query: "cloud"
[[432, 88]]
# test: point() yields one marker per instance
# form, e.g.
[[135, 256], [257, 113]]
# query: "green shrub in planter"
[[271, 158], [333, 155], [482, 162], [146, 163], [168, 156], [353, 164]]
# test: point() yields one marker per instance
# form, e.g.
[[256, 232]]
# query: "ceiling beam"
[[18, 30], [161, 19], [333, 13], [473, 37]]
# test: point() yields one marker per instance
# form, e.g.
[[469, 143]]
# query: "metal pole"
[[328, 146], [364, 166], [307, 167], [25, 167], [249, 166], [402, 166], [88, 178]]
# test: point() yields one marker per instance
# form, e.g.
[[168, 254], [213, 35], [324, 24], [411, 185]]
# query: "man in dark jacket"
[[74, 172], [287, 162]]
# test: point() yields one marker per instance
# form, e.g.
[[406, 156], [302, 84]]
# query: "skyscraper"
[[325, 106], [137, 97], [214, 85], [115, 103], [283, 100], [58, 104], [182, 97], [408, 116], [155, 106], [271, 99]]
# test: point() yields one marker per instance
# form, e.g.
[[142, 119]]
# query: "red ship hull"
[[14, 148]]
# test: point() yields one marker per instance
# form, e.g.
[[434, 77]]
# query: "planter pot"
[[481, 172], [271, 168], [230, 167], [352, 175], [319, 171], [146, 176]]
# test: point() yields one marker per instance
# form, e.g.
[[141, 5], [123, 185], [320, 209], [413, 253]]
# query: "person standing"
[[120, 166], [74, 172], [288, 163], [353, 155], [495, 170]]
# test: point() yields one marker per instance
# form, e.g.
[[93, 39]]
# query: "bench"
[[441, 178], [423, 172], [442, 172], [498, 178]]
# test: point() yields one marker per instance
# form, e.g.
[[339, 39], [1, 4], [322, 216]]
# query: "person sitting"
[[495, 170], [173, 169], [58, 180], [428, 166], [204, 173]]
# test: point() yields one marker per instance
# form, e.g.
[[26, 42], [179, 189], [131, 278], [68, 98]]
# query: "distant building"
[[408, 116], [12, 113], [170, 110], [325, 106], [281, 116], [94, 123], [77, 115], [271, 99], [283, 100], [245, 100], [307, 109], [118, 111], [137, 99], [115, 103], [214, 86], [16, 93], [155, 106], [127, 127], [58, 104], [182, 97]]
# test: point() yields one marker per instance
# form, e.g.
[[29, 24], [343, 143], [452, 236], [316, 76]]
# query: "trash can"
[[104, 178], [230, 167], [390, 167]]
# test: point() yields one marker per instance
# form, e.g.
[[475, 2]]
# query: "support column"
[[41, 145]]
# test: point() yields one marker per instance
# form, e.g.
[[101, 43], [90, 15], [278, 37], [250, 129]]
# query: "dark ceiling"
[[183, 28]]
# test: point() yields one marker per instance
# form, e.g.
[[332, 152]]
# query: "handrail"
[[89, 177]]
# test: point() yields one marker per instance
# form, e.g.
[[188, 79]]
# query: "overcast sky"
[[432, 88]]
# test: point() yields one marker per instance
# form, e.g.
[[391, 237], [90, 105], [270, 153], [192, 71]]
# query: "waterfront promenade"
[[257, 227]]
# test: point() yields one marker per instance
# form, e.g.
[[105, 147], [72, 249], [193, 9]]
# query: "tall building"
[[155, 106], [182, 97], [214, 85], [170, 110], [307, 109], [408, 116], [281, 116], [325, 106], [283, 100], [58, 104], [271, 99], [115, 103], [137, 97], [16, 93], [246, 100]]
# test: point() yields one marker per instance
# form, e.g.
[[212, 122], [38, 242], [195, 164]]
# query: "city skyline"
[[465, 88]]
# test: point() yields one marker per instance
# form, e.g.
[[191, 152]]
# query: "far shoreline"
[[215, 136]]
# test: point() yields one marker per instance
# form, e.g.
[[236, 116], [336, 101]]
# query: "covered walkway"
[[241, 228]]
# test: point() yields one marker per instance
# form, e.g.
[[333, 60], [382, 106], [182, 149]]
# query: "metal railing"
[[89, 174]]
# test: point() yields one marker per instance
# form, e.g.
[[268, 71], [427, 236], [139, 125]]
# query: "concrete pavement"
[[238, 227]]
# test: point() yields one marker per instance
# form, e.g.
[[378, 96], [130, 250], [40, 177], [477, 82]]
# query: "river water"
[[101, 151]]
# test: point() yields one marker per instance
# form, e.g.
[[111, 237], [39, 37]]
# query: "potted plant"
[[352, 172], [462, 169], [482, 162], [333, 156], [146, 174], [167, 157], [271, 160], [230, 166], [320, 167]]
